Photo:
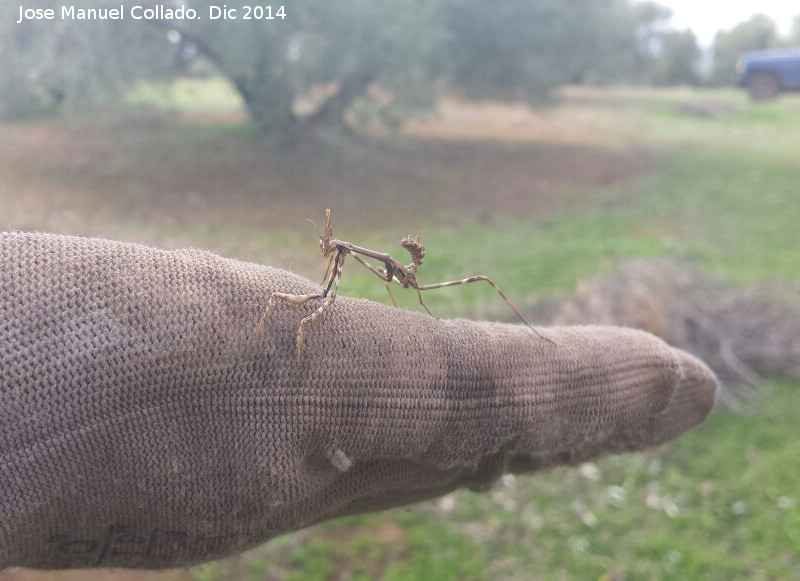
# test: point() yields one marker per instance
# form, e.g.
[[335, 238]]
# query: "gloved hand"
[[144, 422]]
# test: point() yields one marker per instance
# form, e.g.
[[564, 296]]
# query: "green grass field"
[[618, 174]]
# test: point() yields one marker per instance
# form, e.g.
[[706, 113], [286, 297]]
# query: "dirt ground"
[[470, 161], [103, 575]]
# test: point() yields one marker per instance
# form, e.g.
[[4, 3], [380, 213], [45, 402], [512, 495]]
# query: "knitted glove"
[[145, 422]]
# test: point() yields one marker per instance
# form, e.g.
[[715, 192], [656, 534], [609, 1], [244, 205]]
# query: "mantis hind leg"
[[478, 278], [419, 295], [385, 275], [391, 296]]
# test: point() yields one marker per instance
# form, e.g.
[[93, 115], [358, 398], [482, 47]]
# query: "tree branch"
[[333, 110], [205, 49]]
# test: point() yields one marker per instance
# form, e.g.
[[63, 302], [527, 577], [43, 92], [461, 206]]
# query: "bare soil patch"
[[472, 162]]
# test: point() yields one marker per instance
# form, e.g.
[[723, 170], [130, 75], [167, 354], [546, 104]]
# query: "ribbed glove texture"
[[144, 421]]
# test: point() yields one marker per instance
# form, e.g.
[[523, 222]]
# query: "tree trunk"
[[269, 99], [331, 115], [269, 107]]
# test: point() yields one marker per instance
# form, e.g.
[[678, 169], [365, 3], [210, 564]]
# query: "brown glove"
[[144, 422]]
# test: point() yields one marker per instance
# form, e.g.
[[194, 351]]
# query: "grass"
[[729, 204], [188, 95], [720, 502], [525, 258]]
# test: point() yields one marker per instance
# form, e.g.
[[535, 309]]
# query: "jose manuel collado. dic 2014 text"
[[157, 12]]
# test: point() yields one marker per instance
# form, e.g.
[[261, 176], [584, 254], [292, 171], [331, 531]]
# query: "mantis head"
[[326, 243]]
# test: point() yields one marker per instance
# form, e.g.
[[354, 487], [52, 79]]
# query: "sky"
[[706, 17]]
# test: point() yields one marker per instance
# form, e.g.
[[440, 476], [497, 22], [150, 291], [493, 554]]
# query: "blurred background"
[[603, 160]]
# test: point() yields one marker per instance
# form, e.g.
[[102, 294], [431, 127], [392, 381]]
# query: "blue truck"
[[767, 73]]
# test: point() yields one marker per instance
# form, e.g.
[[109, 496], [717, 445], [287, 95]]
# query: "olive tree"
[[345, 51], [350, 47], [52, 64], [759, 32], [523, 49]]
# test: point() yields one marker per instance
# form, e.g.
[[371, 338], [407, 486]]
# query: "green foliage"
[[757, 33], [677, 60], [50, 65], [273, 64], [663, 55], [523, 50], [214, 95], [313, 561], [208, 572], [328, 66]]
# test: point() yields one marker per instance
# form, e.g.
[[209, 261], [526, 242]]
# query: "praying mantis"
[[405, 275]]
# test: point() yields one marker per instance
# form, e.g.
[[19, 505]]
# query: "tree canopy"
[[678, 59], [61, 63], [327, 65], [759, 32], [522, 49], [348, 45]]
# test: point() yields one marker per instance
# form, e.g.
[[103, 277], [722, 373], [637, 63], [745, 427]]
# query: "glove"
[[145, 422]]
